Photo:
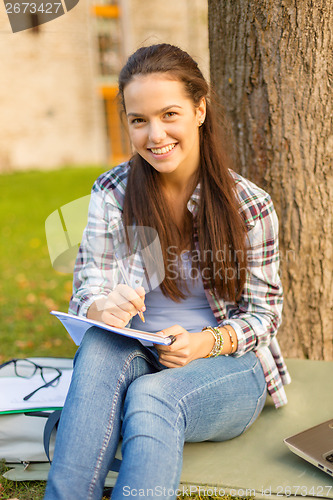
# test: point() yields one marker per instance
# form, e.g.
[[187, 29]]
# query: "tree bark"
[[271, 66]]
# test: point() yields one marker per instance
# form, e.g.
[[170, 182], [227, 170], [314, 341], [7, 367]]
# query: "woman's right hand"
[[119, 306]]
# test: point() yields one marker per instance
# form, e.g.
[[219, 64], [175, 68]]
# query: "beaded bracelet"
[[219, 341], [231, 340]]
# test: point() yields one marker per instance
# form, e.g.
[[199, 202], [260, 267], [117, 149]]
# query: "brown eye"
[[136, 121]]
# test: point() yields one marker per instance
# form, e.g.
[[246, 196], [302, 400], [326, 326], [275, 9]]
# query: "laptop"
[[315, 445]]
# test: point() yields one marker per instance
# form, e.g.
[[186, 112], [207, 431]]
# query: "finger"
[[173, 355], [175, 333], [126, 299], [141, 292], [173, 362], [178, 341], [135, 297], [119, 319], [119, 308], [172, 347]]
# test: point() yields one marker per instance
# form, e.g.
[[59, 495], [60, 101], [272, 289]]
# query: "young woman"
[[212, 282]]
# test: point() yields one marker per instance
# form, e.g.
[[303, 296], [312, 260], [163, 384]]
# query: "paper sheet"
[[14, 389]]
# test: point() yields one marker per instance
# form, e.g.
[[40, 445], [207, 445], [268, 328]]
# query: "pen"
[[125, 278]]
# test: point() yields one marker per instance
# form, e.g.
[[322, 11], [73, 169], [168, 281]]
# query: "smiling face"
[[164, 125]]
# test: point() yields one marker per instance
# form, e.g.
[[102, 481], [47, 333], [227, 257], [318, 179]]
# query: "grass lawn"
[[29, 286], [24, 490], [34, 490]]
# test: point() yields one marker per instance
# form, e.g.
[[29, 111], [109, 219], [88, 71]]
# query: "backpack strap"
[[52, 423], [115, 466]]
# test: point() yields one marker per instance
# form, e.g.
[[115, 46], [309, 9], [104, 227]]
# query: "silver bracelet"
[[231, 339]]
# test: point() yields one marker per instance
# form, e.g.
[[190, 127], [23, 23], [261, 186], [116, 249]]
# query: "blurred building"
[[58, 80]]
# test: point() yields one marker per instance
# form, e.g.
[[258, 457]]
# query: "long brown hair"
[[220, 228]]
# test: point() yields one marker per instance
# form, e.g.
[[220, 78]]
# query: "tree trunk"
[[271, 66]]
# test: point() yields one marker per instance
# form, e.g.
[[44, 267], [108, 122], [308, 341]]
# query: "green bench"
[[258, 463]]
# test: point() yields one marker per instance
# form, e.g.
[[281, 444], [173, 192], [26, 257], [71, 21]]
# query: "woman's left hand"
[[186, 348]]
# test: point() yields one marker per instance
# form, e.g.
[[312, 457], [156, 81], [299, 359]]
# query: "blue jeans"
[[118, 388]]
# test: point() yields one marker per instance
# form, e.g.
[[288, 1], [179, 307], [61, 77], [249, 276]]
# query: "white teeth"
[[161, 151]]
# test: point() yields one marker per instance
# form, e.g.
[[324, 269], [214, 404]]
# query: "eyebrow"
[[163, 110]]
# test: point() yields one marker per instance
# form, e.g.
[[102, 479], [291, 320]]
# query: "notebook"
[[315, 445], [78, 325]]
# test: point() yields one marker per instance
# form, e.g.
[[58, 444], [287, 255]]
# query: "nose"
[[156, 132]]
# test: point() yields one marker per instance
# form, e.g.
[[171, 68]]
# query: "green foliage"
[[29, 286]]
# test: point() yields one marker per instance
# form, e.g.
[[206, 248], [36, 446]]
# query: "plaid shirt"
[[255, 318]]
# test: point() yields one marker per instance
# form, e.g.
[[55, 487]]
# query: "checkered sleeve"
[[258, 314], [95, 272]]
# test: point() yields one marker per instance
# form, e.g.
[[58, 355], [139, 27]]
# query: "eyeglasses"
[[25, 368]]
